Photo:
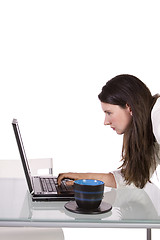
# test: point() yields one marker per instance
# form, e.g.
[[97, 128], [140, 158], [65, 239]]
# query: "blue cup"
[[88, 193]]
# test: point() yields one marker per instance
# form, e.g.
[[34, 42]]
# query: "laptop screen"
[[22, 154]]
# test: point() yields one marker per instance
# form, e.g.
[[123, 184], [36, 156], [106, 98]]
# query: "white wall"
[[55, 56]]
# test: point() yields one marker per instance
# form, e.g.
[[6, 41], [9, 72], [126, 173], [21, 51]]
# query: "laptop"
[[41, 188]]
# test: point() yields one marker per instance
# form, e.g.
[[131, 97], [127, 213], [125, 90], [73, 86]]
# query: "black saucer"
[[103, 208]]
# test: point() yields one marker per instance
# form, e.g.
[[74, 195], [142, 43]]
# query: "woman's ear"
[[129, 109]]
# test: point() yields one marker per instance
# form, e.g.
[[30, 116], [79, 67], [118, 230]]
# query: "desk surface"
[[139, 208]]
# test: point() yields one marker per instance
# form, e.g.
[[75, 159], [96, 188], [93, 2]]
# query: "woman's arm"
[[107, 178]]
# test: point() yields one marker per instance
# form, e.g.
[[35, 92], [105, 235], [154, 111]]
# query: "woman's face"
[[118, 118]]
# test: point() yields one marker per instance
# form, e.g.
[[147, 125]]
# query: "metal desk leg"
[[148, 233]]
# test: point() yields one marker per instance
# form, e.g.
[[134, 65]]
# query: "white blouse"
[[155, 117]]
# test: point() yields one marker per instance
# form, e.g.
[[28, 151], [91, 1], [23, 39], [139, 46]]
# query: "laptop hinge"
[[32, 193]]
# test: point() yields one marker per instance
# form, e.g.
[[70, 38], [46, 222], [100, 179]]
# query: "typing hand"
[[68, 177]]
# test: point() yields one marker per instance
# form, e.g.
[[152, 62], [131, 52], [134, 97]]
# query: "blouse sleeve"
[[155, 117], [120, 181]]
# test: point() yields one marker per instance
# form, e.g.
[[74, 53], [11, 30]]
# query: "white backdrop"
[[55, 56]]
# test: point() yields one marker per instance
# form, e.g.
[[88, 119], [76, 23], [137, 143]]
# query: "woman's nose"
[[106, 121]]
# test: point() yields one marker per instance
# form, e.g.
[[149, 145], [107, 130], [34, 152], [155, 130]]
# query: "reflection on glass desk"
[[130, 208]]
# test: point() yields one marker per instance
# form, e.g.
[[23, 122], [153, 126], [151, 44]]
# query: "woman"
[[131, 110]]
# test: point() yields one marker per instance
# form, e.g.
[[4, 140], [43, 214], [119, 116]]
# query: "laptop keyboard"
[[51, 185]]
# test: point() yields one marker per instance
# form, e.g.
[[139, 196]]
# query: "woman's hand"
[[71, 177]]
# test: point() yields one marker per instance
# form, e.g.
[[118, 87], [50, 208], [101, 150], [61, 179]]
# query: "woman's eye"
[[108, 113]]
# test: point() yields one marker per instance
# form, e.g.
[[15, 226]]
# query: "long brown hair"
[[138, 151]]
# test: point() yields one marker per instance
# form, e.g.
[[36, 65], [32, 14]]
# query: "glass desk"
[[131, 208]]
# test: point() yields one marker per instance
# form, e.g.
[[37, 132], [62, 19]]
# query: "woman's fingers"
[[69, 176]]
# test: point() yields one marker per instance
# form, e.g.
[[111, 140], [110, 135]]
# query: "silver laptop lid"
[[22, 154]]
